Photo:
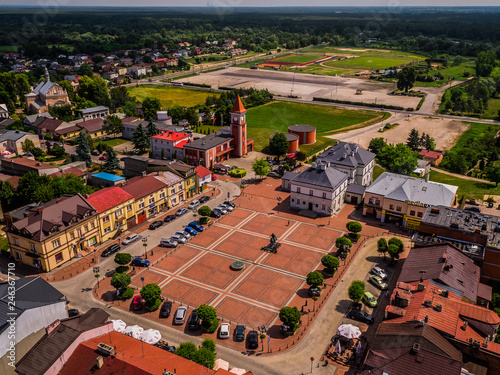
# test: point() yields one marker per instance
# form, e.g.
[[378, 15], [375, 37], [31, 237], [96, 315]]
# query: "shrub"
[[354, 236], [314, 278], [290, 316], [123, 258], [207, 315], [359, 103], [154, 306], [238, 173], [204, 220], [343, 241], [356, 290], [209, 344], [126, 293], [330, 263], [150, 293], [120, 280], [213, 326], [354, 227], [121, 269], [204, 211]]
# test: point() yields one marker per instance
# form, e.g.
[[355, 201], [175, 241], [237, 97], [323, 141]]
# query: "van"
[[180, 315]]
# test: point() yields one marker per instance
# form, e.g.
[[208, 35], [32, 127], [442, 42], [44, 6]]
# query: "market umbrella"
[[119, 325], [349, 331], [221, 364], [358, 348], [134, 331], [150, 336], [238, 371]]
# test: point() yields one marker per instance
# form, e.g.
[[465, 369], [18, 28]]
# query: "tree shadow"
[[343, 306]]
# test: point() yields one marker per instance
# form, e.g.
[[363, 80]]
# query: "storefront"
[[392, 217], [153, 210], [412, 223]]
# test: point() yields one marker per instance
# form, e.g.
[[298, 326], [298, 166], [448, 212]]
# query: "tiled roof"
[[30, 163], [238, 106], [168, 178], [347, 154], [50, 124], [69, 129], [12, 135], [139, 187], [210, 141], [170, 136], [72, 170], [107, 198], [181, 144], [93, 125], [329, 177], [201, 171], [99, 108], [430, 154]]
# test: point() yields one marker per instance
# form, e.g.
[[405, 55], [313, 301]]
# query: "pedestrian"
[[288, 223]]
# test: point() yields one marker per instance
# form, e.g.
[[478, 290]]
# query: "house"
[[94, 112], [136, 70], [69, 132], [204, 176], [61, 340], [22, 165], [4, 112], [355, 193], [38, 305], [110, 75], [433, 157], [13, 141], [51, 126], [402, 200], [169, 145], [129, 125], [351, 159], [32, 121], [139, 166], [320, 188], [93, 127], [120, 70], [116, 211], [150, 196], [174, 187], [47, 94], [106, 179], [53, 233], [423, 168], [188, 173]]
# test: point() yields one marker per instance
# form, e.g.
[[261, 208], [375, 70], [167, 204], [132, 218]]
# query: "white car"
[[379, 272], [132, 238], [194, 204], [178, 238], [183, 234], [224, 331], [227, 207], [221, 209]]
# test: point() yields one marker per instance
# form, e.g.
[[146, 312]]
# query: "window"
[[323, 207], [420, 214], [412, 213], [391, 207], [118, 213], [162, 195], [79, 232], [56, 244], [398, 208], [172, 191], [107, 229], [86, 228], [72, 235], [303, 202], [293, 200], [141, 205], [324, 195], [192, 180], [105, 219], [311, 192], [92, 241], [16, 242], [129, 207], [18, 255], [32, 247], [298, 190], [59, 257], [151, 200], [92, 225]]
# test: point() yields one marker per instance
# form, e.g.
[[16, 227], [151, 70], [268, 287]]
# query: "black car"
[[169, 218], [253, 340], [215, 213], [360, 316], [231, 204], [165, 309], [169, 348], [204, 199], [239, 333], [73, 312], [155, 224], [110, 250], [194, 321]]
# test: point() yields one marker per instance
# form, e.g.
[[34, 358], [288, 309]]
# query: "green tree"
[[150, 107], [427, 142], [205, 357], [300, 156], [485, 62], [83, 149], [123, 258], [354, 226], [120, 96], [140, 139], [261, 167], [187, 350], [28, 146], [493, 174], [177, 113], [192, 116], [356, 290], [278, 144], [204, 211], [94, 89], [343, 242], [47, 136], [210, 345], [62, 112], [376, 145], [382, 246], [7, 194], [396, 241], [207, 315], [85, 70], [330, 263], [112, 163], [58, 151], [399, 159], [113, 124], [413, 141], [151, 294], [393, 251], [151, 128], [290, 316], [120, 280], [314, 278], [406, 78]]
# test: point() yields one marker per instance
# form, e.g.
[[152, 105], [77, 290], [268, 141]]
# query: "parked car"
[[360, 316], [239, 333], [169, 348], [102, 157], [185, 234], [111, 250], [169, 218], [273, 174], [227, 207], [224, 330], [95, 153], [196, 226], [379, 272], [194, 320], [204, 199], [214, 177], [369, 300], [229, 203], [137, 303], [181, 211], [180, 315], [155, 224], [165, 309], [73, 312], [473, 209], [233, 168], [252, 340], [378, 282], [168, 242], [221, 209], [106, 138], [132, 238], [140, 262], [314, 291], [215, 213], [178, 238], [194, 204], [191, 231]]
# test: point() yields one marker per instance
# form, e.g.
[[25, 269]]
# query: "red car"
[[214, 177], [137, 303], [102, 157]]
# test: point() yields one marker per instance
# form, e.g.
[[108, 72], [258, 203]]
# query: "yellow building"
[[93, 127], [150, 195], [116, 211], [174, 187], [188, 173], [53, 233]]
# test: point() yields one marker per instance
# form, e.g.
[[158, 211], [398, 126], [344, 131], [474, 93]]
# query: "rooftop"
[[347, 154], [430, 154], [108, 176], [93, 125], [201, 171], [13, 135], [99, 108], [50, 124], [168, 178], [139, 187], [238, 106], [321, 174], [28, 163], [301, 128], [356, 189], [170, 136], [104, 199], [210, 141]]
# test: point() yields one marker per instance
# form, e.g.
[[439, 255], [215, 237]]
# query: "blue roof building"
[[107, 179]]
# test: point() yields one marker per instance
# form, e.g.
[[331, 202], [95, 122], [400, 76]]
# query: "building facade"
[[13, 141], [46, 95], [95, 112], [203, 176], [174, 187], [169, 145]]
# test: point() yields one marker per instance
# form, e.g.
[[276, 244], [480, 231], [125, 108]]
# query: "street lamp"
[[95, 269], [145, 244]]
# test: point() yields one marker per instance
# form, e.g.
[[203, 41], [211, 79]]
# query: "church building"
[[47, 94]]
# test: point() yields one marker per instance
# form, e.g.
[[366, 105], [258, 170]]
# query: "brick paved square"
[[288, 251], [288, 283], [240, 238], [170, 264], [150, 277], [249, 289], [185, 252], [220, 279], [176, 289], [231, 309], [209, 236], [324, 239], [228, 247], [275, 297], [256, 316], [278, 226], [250, 253], [199, 296], [300, 268], [197, 272], [262, 276], [212, 260]]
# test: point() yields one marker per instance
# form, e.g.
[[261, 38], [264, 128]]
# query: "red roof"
[[50, 124], [139, 187], [201, 171], [430, 154], [238, 106], [170, 135], [181, 144], [107, 198]]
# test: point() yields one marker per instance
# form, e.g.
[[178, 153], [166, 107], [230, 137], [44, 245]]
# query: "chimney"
[[420, 287], [314, 165], [40, 209], [464, 326], [439, 308], [415, 349], [426, 319], [58, 200], [427, 177], [427, 303], [143, 173], [99, 362]]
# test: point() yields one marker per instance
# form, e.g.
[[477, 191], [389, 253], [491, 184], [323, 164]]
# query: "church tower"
[[239, 128]]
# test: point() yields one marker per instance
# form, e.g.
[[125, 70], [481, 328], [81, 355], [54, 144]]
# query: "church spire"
[[47, 76]]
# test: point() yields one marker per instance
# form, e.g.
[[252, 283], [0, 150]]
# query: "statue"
[[274, 239], [273, 245]]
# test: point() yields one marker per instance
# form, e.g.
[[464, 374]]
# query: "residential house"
[[53, 233], [150, 195], [174, 187], [111, 75], [129, 125], [136, 70], [51, 126], [402, 199], [204, 176], [32, 121], [166, 62], [93, 127], [169, 145], [71, 132], [116, 211], [433, 157], [61, 340], [22, 165], [4, 112], [140, 166], [106, 179], [121, 70], [94, 112], [188, 173], [320, 188], [13, 141], [37, 305], [47, 94]]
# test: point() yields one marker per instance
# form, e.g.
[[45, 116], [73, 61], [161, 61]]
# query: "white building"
[[4, 112], [94, 112], [171, 142]]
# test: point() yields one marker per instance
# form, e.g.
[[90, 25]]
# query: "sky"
[[250, 3]]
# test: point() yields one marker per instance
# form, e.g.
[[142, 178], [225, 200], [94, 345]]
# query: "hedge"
[[419, 105], [121, 269], [238, 173], [197, 84], [204, 220], [373, 105], [226, 88], [213, 326], [156, 305], [127, 293]]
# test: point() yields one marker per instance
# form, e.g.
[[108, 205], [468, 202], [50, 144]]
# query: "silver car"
[[227, 207], [183, 234], [179, 239], [379, 272], [221, 209], [132, 238]]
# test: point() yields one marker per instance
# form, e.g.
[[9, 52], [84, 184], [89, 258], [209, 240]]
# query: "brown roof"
[[182, 168], [50, 124], [238, 106], [14, 180], [72, 170], [444, 263], [29, 163], [139, 187], [67, 130], [93, 125]]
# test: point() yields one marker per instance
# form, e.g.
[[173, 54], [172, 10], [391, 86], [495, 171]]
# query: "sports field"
[[170, 95], [278, 116], [298, 58]]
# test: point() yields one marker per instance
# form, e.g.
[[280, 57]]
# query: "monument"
[[273, 244]]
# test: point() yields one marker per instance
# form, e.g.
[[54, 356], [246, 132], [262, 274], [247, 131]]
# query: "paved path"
[[460, 176]]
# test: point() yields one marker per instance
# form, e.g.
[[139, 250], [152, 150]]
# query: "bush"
[[197, 84], [314, 278], [354, 227], [209, 344], [204, 211], [330, 263], [343, 241], [204, 220], [150, 293], [290, 316], [213, 326], [126, 293], [122, 269], [120, 280], [238, 173], [356, 290], [207, 315], [154, 306], [123, 258], [354, 236]]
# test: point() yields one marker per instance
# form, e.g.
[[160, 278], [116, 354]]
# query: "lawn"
[[453, 73], [493, 110], [475, 131], [278, 116], [375, 60], [298, 58], [377, 171], [170, 95], [113, 142], [7, 49]]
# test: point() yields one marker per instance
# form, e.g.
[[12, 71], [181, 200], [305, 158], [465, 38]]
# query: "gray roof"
[[94, 109], [290, 137], [301, 128], [289, 175], [32, 118], [403, 188], [209, 141], [12, 135], [347, 154], [6, 121], [321, 174], [44, 87], [356, 189]]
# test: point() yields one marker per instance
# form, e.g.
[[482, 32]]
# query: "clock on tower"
[[239, 128]]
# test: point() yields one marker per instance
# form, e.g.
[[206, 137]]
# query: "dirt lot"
[[444, 131]]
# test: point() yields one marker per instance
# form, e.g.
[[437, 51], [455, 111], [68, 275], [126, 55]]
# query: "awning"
[[192, 187], [32, 255]]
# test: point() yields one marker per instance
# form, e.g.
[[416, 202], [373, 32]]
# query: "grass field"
[[493, 110], [170, 95], [453, 73], [373, 60], [298, 58], [7, 49], [475, 131], [377, 171], [278, 116], [114, 142]]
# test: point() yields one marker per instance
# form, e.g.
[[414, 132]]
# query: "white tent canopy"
[[221, 364], [238, 371], [134, 331], [119, 325], [349, 331], [151, 336]]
